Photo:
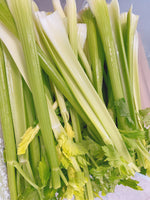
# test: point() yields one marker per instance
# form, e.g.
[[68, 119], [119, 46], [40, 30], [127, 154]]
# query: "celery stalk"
[[136, 86], [131, 27], [22, 14], [6, 17], [96, 55], [57, 6], [122, 57], [34, 148], [71, 11], [100, 11], [15, 89], [7, 127]]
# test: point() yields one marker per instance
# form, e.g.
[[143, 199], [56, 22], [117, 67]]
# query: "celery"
[[31, 117], [66, 53], [7, 127], [72, 92], [22, 14], [96, 54]]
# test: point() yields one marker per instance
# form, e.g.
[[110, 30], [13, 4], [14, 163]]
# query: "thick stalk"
[[7, 128]]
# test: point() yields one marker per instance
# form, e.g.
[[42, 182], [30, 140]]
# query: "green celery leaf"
[[44, 172], [115, 160], [123, 111], [144, 112], [29, 193], [133, 134], [131, 183], [49, 194], [93, 148], [105, 179], [145, 116]]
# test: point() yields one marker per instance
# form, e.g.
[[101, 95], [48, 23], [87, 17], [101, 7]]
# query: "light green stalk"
[[57, 6], [132, 21], [82, 35], [85, 63], [15, 89], [95, 49], [100, 11], [7, 128], [6, 17], [137, 96], [31, 117], [62, 105], [22, 14], [71, 11]]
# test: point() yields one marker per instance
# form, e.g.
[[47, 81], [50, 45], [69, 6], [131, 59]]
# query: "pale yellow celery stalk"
[[132, 21], [57, 6], [137, 96], [82, 34], [95, 50], [22, 13], [62, 105], [71, 12], [136, 86], [15, 49]]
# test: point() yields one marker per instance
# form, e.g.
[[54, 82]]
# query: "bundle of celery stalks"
[[70, 105]]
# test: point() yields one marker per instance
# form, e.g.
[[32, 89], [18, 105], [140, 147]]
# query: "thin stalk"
[[76, 125], [88, 184], [85, 63], [94, 47], [6, 17], [22, 13], [62, 105], [137, 96], [7, 128], [82, 35], [57, 6], [71, 12], [17, 166], [31, 118], [131, 27]]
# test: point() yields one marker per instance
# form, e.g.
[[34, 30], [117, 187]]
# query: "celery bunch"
[[70, 101]]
